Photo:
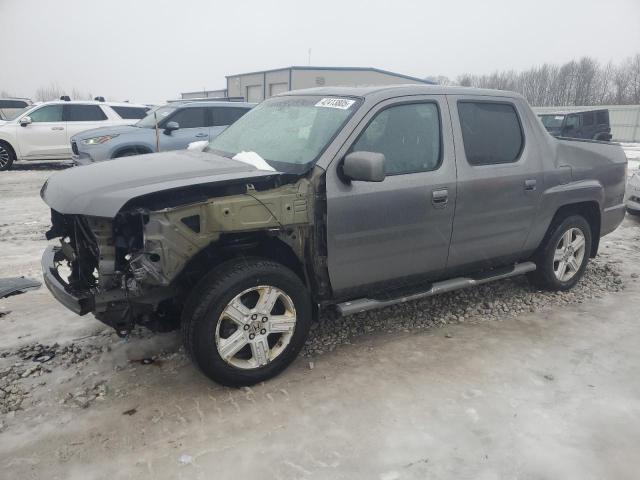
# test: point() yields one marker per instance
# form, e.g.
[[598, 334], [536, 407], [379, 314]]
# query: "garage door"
[[276, 88], [254, 93]]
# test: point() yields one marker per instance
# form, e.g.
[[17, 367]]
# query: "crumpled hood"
[[102, 131], [102, 189]]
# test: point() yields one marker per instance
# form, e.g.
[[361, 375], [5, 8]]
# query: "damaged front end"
[[136, 267], [92, 270]]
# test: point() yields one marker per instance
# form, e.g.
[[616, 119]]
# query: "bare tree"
[[77, 95], [51, 92], [439, 80], [577, 82]]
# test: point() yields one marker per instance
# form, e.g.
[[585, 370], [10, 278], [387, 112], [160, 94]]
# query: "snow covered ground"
[[500, 381]]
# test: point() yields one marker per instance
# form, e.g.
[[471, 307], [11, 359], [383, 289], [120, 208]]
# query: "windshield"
[[289, 133], [552, 121], [158, 115]]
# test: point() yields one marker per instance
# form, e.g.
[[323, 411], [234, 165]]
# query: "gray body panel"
[[102, 189], [496, 220], [389, 230], [494, 211]]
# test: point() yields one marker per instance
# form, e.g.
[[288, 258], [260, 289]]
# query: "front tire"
[[246, 321], [7, 157], [563, 256]]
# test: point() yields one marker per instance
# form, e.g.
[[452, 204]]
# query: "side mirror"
[[364, 166], [171, 127], [24, 121]]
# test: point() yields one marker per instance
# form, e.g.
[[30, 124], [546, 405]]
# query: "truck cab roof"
[[401, 90]]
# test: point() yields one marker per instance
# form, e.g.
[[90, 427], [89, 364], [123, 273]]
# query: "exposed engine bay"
[[136, 267]]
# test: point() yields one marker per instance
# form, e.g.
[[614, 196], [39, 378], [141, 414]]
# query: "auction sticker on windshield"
[[341, 103]]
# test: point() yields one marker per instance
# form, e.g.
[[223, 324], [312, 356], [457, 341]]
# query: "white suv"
[[43, 131]]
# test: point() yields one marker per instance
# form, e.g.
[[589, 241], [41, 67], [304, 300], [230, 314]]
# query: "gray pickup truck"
[[342, 199]]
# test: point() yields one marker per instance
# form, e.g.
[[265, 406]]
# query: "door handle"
[[202, 135], [57, 128], [530, 184], [440, 198]]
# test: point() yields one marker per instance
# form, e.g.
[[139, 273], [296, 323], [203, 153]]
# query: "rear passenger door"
[[222, 117], [82, 117], [499, 181], [397, 231], [193, 128]]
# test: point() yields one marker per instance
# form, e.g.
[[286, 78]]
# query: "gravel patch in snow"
[[492, 301]]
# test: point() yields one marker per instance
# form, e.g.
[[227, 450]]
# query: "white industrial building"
[[624, 119], [258, 86]]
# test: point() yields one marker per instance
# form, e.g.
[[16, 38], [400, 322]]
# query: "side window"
[[13, 104], [84, 113], [190, 117], [602, 117], [407, 135], [573, 121], [223, 116], [130, 112], [491, 132], [587, 118], [48, 113]]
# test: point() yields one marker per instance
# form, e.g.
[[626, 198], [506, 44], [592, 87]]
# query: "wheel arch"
[[228, 247], [140, 149], [590, 210]]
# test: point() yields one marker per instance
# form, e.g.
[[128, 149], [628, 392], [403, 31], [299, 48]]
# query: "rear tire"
[[635, 213], [563, 256], [230, 331], [7, 157]]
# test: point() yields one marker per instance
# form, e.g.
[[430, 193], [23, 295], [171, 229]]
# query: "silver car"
[[178, 125]]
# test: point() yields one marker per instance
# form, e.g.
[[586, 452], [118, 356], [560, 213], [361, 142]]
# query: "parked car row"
[[44, 131], [170, 127], [90, 131]]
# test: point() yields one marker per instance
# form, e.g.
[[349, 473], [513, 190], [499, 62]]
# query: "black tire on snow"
[[544, 277], [212, 294], [7, 157]]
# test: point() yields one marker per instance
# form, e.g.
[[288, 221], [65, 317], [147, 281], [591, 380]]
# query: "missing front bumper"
[[78, 302]]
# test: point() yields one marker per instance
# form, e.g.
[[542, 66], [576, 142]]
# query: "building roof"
[[360, 69]]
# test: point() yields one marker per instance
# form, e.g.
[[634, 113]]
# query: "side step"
[[364, 304]]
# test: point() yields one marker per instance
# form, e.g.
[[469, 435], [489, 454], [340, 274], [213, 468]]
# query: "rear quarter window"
[[602, 118], [130, 113], [491, 132], [587, 119]]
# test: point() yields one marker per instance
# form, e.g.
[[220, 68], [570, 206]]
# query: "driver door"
[[193, 128], [46, 136], [396, 231]]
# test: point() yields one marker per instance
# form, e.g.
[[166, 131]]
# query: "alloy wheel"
[[255, 327], [569, 254]]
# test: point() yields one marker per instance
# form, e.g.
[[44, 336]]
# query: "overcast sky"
[[151, 50]]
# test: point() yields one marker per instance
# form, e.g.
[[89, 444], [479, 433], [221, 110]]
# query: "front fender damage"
[[132, 265]]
